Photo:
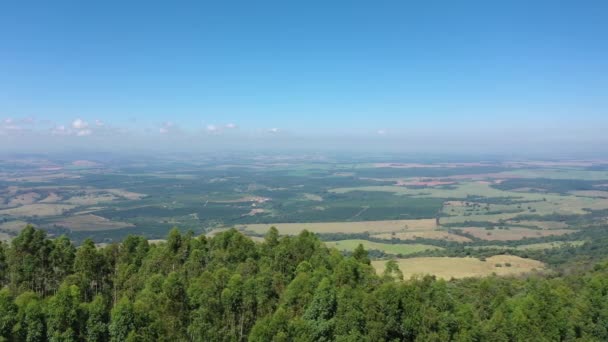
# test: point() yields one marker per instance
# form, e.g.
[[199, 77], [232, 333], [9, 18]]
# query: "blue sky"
[[441, 71]]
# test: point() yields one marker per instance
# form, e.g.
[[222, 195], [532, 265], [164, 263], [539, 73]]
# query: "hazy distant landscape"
[[396, 209]]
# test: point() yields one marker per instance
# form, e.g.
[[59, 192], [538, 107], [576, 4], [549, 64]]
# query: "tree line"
[[230, 288]]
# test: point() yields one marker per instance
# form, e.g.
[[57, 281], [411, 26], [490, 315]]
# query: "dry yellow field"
[[24, 199], [51, 198], [344, 227], [38, 209], [429, 234], [447, 268], [390, 248], [513, 233]]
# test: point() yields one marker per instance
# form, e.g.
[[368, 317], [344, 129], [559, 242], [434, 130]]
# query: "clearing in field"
[[513, 233], [350, 245], [343, 227], [91, 223], [448, 268]]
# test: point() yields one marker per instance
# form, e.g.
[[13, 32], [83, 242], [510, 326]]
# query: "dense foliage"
[[228, 288]]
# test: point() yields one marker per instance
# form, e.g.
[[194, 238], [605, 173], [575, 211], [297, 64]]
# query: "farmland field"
[[447, 268], [350, 245], [539, 246], [513, 233], [430, 234], [397, 206], [372, 227]]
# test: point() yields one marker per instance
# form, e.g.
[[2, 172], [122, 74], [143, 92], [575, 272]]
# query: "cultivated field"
[[447, 268], [343, 227], [429, 234], [350, 245], [537, 246], [513, 233], [37, 209]]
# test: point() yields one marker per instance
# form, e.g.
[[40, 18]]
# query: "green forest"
[[230, 288]]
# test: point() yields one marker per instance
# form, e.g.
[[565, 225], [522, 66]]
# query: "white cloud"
[[8, 121], [231, 125], [60, 130], [274, 130], [168, 127], [212, 129], [84, 132], [79, 124], [28, 121], [12, 128], [99, 123], [381, 132]]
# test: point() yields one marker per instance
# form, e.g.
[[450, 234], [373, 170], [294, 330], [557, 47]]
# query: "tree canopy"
[[229, 288]]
